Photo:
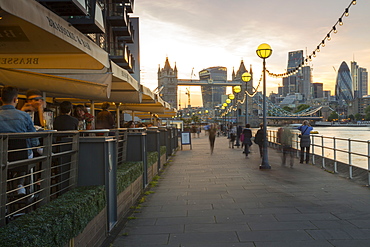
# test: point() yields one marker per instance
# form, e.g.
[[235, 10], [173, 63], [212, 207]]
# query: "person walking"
[[212, 136], [305, 143], [258, 139], [286, 143], [232, 137], [247, 133]]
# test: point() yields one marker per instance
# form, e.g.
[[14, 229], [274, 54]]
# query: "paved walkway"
[[224, 200]]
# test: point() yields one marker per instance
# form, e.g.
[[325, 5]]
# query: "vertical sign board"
[[186, 139]]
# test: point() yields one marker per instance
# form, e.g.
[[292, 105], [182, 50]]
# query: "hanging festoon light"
[[327, 37], [340, 22], [335, 29]]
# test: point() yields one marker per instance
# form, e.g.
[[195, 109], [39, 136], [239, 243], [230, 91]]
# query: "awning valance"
[[56, 85], [124, 87]]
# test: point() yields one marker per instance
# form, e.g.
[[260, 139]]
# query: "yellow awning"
[[124, 87], [56, 85]]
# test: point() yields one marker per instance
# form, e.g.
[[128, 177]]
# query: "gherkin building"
[[343, 86]]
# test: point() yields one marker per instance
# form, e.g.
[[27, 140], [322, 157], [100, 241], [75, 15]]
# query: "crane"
[[188, 94]]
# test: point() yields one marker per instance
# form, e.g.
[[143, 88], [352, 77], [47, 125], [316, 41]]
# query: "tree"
[[195, 119], [333, 115], [287, 108], [358, 117], [302, 107], [367, 109]]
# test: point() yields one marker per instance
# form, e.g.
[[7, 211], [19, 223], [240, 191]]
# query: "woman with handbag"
[[305, 143]]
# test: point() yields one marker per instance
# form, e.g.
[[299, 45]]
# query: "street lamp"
[[237, 90], [264, 51], [246, 77]]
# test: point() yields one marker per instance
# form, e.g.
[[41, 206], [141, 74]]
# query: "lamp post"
[[231, 98], [246, 77], [237, 90], [225, 105], [264, 51]]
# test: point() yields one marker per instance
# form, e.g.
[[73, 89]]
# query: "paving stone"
[[204, 237], [350, 243], [184, 220], [264, 226], [306, 243], [286, 235]]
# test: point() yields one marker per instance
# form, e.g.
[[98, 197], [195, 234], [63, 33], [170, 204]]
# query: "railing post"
[[335, 155], [313, 150], [46, 169], [3, 177], [74, 160], [323, 152], [368, 163], [297, 146], [349, 158]]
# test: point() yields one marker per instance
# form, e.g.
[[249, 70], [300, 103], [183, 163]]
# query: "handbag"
[[241, 137], [300, 136]]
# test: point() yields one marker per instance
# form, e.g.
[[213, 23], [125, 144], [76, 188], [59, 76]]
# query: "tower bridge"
[[213, 82]]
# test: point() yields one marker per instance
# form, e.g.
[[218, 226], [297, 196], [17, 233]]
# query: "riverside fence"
[[120, 163], [339, 155]]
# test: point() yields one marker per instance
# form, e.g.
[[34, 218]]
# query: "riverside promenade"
[[224, 200]]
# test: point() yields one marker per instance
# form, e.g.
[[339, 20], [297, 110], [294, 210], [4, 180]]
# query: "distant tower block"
[[167, 77]]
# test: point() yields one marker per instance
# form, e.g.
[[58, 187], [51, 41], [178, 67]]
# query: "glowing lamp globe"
[[228, 101], [264, 51], [246, 77], [231, 96], [237, 89], [224, 104]]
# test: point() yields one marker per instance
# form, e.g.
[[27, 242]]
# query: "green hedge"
[[163, 150], [152, 157], [55, 223], [127, 173]]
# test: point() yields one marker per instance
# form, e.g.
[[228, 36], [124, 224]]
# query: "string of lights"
[[314, 53]]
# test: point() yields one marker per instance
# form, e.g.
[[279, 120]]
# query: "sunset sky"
[[204, 33]]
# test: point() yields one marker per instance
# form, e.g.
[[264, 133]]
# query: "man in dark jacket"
[[65, 121], [258, 139]]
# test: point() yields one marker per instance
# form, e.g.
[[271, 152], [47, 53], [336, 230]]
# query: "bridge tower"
[[252, 116], [168, 80]]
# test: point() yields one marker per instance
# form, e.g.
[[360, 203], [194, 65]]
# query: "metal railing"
[[28, 183], [353, 153]]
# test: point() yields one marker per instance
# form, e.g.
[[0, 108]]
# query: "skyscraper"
[[318, 90], [343, 86], [359, 80], [363, 81], [212, 94], [300, 82]]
